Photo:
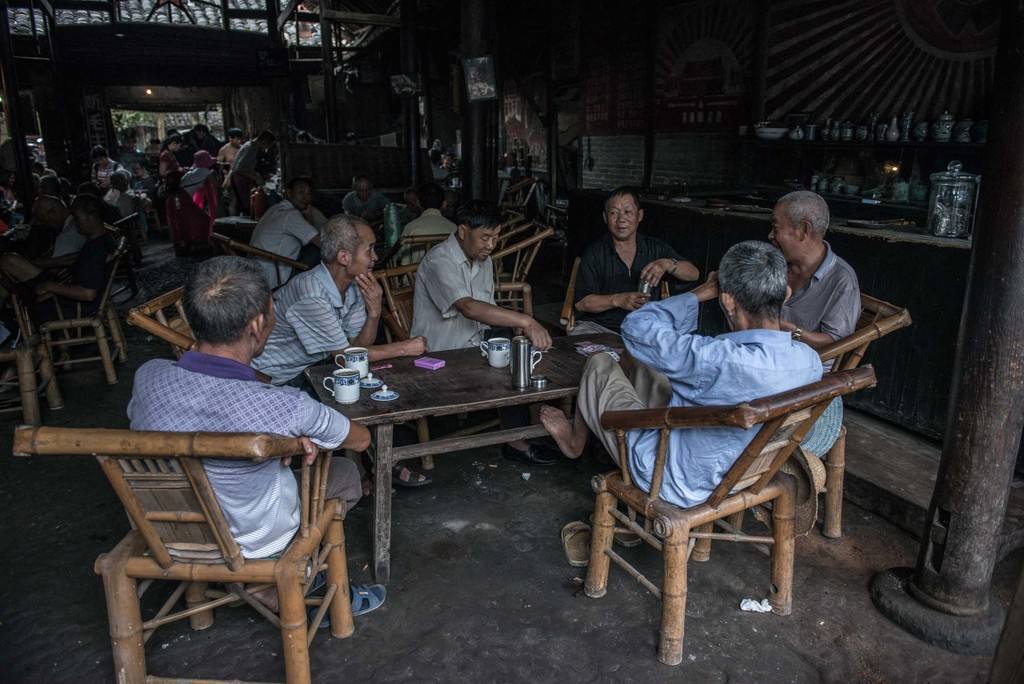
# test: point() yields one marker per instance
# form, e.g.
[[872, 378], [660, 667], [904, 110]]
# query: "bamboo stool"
[[180, 534], [753, 480], [877, 319]]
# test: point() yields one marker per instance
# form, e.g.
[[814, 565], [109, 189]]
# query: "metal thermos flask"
[[521, 362]]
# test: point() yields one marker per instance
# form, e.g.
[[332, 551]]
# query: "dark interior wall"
[[823, 58]]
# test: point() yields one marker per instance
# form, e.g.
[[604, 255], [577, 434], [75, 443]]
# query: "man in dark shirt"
[[611, 270], [90, 269]]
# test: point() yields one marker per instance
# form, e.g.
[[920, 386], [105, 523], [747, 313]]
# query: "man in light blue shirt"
[[756, 359]]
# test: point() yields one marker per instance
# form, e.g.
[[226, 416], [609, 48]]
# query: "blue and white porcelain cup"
[[344, 385], [497, 351], [355, 357]]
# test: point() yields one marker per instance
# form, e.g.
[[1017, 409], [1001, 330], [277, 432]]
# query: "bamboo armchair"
[[34, 366], [516, 197], [103, 322], [152, 318], [179, 534], [753, 480], [567, 317], [130, 229], [413, 246], [236, 248], [877, 319], [398, 284]]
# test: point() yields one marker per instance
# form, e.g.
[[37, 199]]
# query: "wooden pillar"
[[760, 65], [428, 98], [8, 69], [327, 55], [410, 104], [551, 111], [477, 41], [946, 599]]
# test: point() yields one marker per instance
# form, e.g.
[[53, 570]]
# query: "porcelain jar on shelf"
[[952, 202]]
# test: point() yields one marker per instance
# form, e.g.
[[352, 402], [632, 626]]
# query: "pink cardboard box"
[[429, 363]]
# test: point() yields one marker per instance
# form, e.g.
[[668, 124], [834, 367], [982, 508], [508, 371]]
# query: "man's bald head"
[[49, 211]]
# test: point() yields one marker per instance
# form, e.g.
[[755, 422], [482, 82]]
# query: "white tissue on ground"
[[753, 606]]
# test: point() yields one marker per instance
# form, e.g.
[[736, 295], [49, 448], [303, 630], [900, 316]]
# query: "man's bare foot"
[[560, 429]]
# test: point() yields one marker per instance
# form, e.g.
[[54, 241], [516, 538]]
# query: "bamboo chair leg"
[[195, 595], [293, 627], [48, 377], [104, 347], [117, 334], [27, 385], [125, 617], [673, 598], [602, 532], [337, 574], [783, 550], [736, 520], [423, 436], [835, 468], [702, 547]]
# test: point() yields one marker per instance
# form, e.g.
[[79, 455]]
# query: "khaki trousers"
[[607, 386]]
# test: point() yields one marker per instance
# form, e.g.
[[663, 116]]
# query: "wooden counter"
[[928, 275]]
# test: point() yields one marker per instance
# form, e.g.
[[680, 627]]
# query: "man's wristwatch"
[[797, 334]]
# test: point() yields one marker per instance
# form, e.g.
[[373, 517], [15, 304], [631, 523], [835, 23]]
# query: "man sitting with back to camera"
[[755, 359], [213, 388]]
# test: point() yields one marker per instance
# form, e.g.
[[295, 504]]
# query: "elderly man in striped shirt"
[[331, 307]]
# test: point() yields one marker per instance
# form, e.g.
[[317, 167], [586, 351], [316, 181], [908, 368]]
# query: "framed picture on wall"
[[480, 82]]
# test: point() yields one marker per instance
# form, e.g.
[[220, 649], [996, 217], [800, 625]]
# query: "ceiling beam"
[[286, 12], [361, 18]]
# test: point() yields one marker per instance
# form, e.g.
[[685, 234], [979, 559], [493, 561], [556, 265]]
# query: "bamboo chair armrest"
[[866, 335], [513, 287], [70, 323], [158, 303], [744, 415], [243, 446]]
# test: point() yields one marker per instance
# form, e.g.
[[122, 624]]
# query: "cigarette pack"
[[429, 363]]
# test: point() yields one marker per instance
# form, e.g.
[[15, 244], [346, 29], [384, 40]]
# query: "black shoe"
[[533, 456]]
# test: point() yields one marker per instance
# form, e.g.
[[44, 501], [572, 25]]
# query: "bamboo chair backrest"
[[523, 254], [398, 284], [160, 480], [877, 319], [174, 329], [236, 248], [567, 318], [517, 195], [785, 419], [113, 261]]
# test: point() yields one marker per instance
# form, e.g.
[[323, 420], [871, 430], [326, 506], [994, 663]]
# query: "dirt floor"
[[480, 589]]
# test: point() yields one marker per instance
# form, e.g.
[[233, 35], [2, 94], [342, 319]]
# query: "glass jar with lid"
[[953, 200]]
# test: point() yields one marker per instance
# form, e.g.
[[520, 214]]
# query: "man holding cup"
[[619, 273]]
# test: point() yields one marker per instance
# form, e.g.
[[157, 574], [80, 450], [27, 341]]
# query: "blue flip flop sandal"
[[366, 598]]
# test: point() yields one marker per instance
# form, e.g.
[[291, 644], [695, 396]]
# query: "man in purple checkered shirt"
[[212, 388]]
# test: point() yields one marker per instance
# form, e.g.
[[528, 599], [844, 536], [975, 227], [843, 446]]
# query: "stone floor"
[[480, 590]]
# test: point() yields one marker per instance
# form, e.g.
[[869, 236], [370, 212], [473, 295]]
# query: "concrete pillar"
[[945, 599]]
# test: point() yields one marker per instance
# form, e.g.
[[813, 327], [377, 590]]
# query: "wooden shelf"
[[866, 145]]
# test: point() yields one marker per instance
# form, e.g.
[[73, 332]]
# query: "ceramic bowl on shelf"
[[770, 132]]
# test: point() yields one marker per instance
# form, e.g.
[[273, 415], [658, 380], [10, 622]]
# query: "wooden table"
[[466, 383]]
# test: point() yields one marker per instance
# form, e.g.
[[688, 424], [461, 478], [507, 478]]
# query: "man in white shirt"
[[285, 229], [453, 303], [430, 222]]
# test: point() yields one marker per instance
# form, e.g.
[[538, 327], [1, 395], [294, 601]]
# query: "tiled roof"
[[136, 11]]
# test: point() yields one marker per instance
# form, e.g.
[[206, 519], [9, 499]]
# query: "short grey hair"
[[222, 296], [341, 232], [754, 273], [804, 205]]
